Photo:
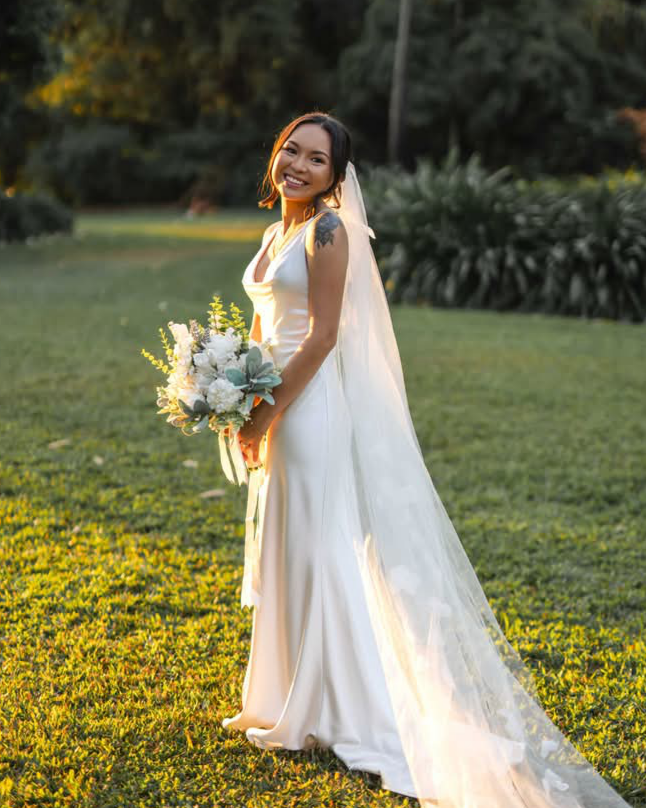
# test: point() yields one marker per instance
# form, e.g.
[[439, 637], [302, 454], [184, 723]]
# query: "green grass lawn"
[[123, 644]]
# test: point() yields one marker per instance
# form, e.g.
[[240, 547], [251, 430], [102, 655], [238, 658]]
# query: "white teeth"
[[294, 180]]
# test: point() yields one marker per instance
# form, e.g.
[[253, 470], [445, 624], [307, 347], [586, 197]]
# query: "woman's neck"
[[294, 214]]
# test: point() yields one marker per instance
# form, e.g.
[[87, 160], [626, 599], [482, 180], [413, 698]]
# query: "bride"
[[371, 633]]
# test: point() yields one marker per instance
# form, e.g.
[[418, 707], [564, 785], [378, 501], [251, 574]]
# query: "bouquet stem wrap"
[[237, 472]]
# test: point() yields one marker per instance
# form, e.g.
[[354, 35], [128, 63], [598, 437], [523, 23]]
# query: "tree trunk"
[[398, 87]]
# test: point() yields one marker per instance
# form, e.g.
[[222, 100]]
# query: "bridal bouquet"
[[214, 376]]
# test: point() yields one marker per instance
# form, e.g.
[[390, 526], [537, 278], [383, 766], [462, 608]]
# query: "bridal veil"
[[471, 724]]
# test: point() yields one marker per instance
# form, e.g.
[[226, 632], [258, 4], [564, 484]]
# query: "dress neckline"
[[269, 243]]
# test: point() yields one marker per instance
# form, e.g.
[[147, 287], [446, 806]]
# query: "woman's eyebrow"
[[314, 151]]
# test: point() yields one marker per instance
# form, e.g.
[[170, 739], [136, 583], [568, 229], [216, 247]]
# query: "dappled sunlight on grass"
[[123, 642], [176, 224]]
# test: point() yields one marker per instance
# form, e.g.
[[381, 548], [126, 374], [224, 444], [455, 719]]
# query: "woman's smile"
[[293, 182]]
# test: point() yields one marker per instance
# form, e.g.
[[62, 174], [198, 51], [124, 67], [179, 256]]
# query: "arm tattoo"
[[324, 229]]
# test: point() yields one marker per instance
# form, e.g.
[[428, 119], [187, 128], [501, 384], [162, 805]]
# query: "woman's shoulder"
[[324, 227], [326, 214]]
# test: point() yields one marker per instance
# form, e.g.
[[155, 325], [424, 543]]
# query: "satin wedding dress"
[[314, 676], [372, 635]]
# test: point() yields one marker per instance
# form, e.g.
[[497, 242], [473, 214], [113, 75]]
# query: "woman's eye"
[[292, 149]]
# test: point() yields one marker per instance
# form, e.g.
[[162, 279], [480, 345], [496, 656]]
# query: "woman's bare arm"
[[326, 247]]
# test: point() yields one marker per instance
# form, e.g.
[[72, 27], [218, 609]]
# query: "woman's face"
[[304, 156]]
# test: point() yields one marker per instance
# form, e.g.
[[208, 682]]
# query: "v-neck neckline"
[[265, 251]]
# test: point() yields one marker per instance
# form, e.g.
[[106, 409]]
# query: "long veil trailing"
[[467, 709]]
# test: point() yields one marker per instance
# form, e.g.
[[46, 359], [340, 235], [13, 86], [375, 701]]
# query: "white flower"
[[204, 380], [189, 394], [181, 334], [237, 338], [182, 360], [236, 362], [202, 361], [221, 348], [185, 387], [222, 396], [183, 345]]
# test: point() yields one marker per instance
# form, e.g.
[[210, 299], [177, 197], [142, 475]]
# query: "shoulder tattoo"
[[325, 227]]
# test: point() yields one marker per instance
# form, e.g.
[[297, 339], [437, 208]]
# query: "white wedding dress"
[[314, 676], [372, 635]]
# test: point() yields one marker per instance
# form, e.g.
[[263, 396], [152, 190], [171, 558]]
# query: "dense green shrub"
[[93, 163], [25, 215], [218, 166], [457, 236]]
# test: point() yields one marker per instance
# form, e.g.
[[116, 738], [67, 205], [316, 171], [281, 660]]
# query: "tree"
[[27, 57], [522, 82]]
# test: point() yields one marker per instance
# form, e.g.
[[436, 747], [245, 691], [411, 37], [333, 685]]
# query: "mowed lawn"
[[122, 641]]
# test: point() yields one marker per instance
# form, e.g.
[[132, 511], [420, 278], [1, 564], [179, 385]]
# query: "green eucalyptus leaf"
[[236, 377], [253, 360], [202, 424], [247, 402], [201, 407]]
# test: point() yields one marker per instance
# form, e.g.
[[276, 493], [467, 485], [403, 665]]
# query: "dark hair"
[[341, 153]]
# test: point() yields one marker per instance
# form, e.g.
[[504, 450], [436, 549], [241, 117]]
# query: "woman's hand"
[[250, 435]]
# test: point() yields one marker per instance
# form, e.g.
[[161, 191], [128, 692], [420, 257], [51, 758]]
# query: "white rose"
[[202, 362], [203, 381], [220, 349], [222, 396], [235, 337]]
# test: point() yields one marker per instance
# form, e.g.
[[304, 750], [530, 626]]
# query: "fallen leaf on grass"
[[98, 460], [212, 492], [190, 464], [56, 444]]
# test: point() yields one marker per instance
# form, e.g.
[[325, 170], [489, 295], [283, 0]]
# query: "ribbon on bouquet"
[[237, 472]]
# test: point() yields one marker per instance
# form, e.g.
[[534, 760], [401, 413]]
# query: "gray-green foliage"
[[456, 235], [257, 379]]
